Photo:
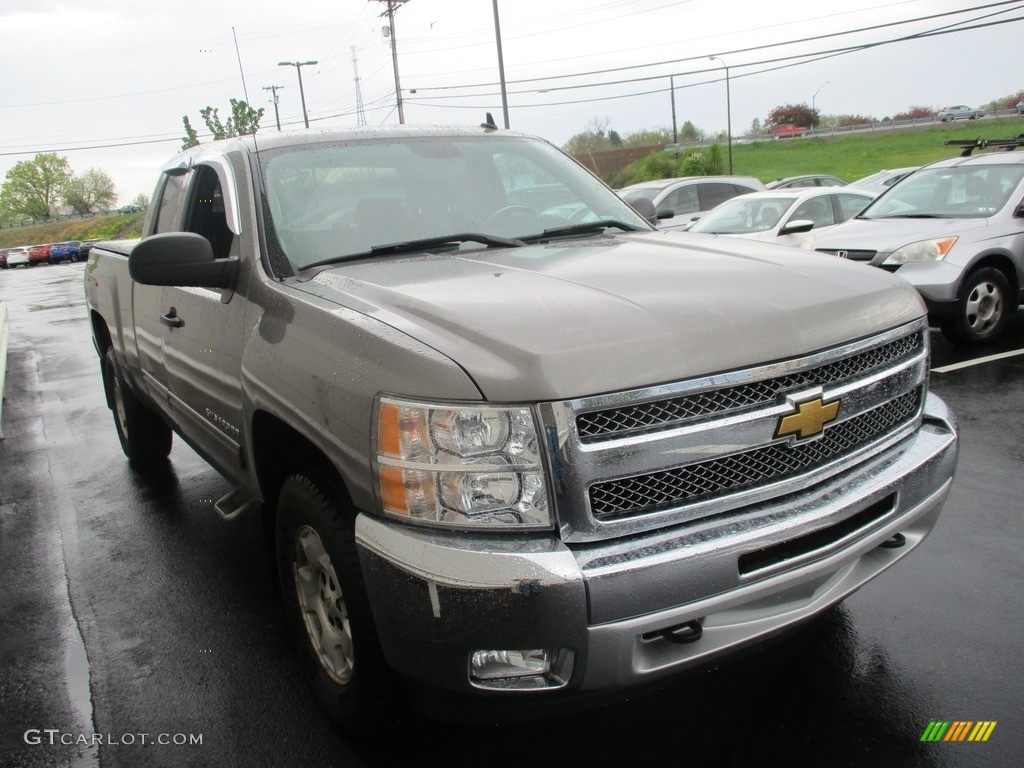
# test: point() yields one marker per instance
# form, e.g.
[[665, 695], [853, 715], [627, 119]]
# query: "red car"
[[787, 130], [38, 254]]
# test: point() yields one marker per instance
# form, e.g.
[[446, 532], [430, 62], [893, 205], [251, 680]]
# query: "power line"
[[732, 52], [783, 62]]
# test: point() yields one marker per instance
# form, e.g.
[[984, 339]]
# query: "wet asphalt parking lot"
[[138, 629]]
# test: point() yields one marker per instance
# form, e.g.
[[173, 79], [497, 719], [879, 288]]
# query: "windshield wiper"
[[423, 244], [583, 229]]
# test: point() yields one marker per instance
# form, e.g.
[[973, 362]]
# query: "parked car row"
[[954, 229], [48, 253]]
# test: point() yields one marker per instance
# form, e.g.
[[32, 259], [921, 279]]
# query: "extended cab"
[[509, 452]]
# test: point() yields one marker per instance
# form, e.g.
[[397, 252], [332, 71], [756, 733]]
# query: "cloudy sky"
[[105, 83]]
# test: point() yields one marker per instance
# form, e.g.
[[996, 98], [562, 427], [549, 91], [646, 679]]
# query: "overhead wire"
[[784, 62]]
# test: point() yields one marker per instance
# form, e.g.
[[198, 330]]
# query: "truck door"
[[203, 344], [147, 300]]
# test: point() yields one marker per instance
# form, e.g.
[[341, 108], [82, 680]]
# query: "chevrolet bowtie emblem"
[[809, 420]]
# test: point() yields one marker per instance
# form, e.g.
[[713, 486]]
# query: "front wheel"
[[981, 308], [328, 609], [145, 437]]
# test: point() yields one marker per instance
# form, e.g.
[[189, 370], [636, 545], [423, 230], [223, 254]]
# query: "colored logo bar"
[[959, 730]]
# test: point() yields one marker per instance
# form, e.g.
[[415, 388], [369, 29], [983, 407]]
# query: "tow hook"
[[897, 541], [690, 632]]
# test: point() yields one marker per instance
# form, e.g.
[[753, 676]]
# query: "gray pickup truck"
[[509, 440]]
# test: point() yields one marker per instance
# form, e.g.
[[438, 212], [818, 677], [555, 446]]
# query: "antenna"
[[238, 54]]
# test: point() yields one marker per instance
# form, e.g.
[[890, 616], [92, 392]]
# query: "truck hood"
[[886, 235], [569, 319]]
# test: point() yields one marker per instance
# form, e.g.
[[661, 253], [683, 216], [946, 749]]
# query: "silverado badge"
[[809, 420]]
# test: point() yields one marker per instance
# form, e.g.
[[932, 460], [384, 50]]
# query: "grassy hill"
[[853, 156], [107, 227]]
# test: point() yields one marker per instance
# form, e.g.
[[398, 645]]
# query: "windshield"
[[329, 202], [743, 215], [963, 192]]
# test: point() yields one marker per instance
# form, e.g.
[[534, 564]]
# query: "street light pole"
[[816, 94], [302, 95], [728, 108]]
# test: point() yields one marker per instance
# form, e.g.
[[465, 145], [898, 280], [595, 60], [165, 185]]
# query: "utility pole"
[[728, 107], [501, 64], [394, 52], [275, 89]]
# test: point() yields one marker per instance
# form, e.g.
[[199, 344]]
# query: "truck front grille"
[[626, 462], [675, 411], [750, 469]]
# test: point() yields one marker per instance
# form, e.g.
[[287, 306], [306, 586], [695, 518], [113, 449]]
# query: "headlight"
[[925, 250], [465, 466]]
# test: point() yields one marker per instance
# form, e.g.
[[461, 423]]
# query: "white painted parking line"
[[977, 361]]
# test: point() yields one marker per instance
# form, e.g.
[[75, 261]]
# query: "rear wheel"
[[145, 438], [981, 308], [328, 608]]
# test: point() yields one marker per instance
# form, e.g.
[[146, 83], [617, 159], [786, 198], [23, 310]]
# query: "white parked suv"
[[955, 230]]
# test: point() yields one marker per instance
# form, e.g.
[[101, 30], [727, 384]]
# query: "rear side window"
[[851, 205], [711, 194]]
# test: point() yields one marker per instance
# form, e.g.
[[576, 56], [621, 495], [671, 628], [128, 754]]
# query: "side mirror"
[[182, 259], [645, 207], [800, 225]]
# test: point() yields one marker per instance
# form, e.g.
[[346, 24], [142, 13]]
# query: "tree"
[[33, 187], [93, 189], [795, 114], [141, 200], [648, 137], [915, 113], [845, 121], [593, 139], [691, 133], [244, 121]]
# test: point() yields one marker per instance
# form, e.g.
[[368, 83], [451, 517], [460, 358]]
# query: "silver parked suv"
[[955, 230]]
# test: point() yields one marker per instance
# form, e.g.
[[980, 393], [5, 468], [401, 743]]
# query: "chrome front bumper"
[[438, 597]]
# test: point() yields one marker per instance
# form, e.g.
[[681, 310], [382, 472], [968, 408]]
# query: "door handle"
[[171, 319]]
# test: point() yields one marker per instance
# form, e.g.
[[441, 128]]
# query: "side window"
[[681, 200], [206, 214], [850, 205], [171, 197], [714, 193], [817, 209]]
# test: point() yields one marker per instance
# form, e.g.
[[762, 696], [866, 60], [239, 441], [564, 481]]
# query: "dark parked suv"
[[955, 230]]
